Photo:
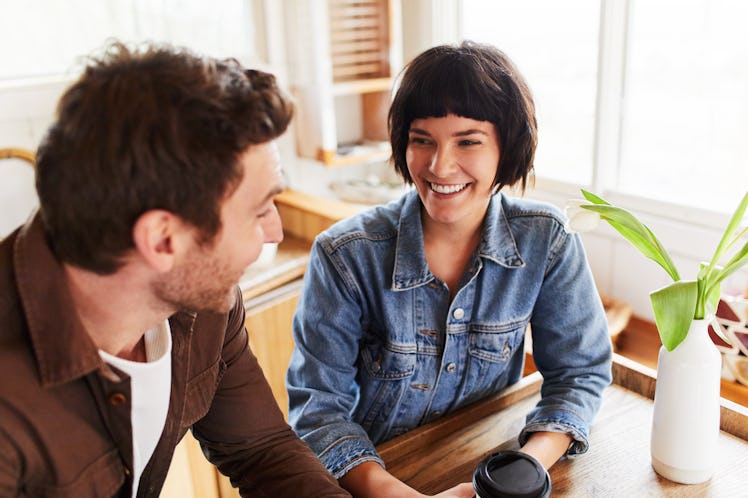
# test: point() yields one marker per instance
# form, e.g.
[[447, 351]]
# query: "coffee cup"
[[511, 474]]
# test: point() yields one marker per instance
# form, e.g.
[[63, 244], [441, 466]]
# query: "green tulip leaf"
[[730, 236], [638, 234], [593, 198], [738, 260], [674, 307], [712, 300]]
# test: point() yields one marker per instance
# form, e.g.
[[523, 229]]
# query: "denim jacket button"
[[458, 313], [451, 367], [375, 367]]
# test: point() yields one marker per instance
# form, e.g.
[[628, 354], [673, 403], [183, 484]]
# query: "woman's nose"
[[443, 162]]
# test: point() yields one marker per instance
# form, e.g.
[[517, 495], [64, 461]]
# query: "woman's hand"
[[370, 480]]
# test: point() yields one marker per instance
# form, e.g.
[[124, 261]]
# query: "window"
[[685, 112], [49, 36], [642, 98], [554, 44]]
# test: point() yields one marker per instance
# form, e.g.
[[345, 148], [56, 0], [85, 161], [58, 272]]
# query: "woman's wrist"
[[547, 447]]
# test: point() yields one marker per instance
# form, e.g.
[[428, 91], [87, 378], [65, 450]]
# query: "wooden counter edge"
[[527, 386]]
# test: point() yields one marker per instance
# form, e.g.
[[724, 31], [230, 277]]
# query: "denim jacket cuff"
[[570, 425], [347, 453]]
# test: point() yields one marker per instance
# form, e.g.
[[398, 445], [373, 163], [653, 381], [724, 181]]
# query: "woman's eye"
[[469, 142], [418, 140]]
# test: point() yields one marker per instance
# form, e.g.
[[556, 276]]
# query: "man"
[[121, 326]]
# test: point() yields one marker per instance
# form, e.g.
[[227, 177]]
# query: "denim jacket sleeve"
[[571, 345], [321, 381]]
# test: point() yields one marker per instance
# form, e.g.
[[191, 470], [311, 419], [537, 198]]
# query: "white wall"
[[26, 110]]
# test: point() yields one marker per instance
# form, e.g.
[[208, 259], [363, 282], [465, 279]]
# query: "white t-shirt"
[[150, 389]]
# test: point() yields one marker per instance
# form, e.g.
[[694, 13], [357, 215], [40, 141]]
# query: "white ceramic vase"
[[685, 423]]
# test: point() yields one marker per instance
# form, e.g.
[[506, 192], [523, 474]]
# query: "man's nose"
[[272, 227]]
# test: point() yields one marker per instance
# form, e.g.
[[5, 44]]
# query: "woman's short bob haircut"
[[474, 81]]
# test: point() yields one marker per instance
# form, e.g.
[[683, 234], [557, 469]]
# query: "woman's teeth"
[[447, 189]]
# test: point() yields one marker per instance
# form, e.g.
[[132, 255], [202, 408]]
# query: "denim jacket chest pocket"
[[387, 369], [491, 349]]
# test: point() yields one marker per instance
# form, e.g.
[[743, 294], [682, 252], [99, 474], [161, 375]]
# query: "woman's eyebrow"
[[471, 131], [463, 133]]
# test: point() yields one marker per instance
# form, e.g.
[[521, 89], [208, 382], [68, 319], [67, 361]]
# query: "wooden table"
[[444, 453]]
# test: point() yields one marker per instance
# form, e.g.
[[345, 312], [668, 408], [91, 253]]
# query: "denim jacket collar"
[[498, 242], [411, 269]]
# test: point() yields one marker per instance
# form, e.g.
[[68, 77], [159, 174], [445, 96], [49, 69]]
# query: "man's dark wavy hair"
[[152, 127]]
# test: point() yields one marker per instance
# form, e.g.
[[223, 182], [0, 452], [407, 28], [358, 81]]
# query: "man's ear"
[[154, 234]]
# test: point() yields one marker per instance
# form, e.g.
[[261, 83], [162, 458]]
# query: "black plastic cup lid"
[[511, 474]]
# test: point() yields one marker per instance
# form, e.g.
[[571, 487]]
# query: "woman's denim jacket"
[[380, 349]]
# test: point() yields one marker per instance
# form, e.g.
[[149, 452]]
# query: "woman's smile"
[[447, 189]]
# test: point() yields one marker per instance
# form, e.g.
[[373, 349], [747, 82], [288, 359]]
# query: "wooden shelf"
[[362, 86], [343, 82], [333, 159]]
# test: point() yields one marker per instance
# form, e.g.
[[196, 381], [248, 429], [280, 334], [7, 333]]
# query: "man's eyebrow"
[[277, 189]]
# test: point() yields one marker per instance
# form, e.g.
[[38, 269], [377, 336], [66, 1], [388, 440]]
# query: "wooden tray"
[[444, 453]]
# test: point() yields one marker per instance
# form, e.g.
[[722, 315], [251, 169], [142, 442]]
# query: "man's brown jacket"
[[65, 426]]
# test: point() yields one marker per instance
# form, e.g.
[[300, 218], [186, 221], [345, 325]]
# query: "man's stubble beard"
[[201, 283]]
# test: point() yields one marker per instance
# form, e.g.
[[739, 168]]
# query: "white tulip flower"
[[579, 219]]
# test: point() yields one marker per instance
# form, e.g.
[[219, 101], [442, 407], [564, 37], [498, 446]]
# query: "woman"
[[417, 308]]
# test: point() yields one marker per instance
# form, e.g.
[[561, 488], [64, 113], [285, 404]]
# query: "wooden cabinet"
[[343, 58], [190, 474], [269, 323]]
